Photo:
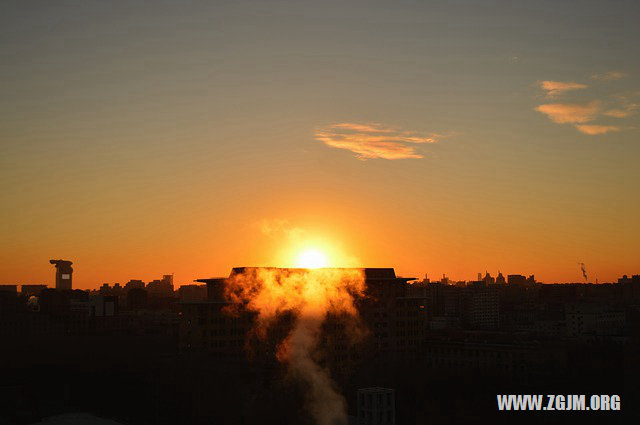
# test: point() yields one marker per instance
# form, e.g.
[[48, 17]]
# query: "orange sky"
[[139, 141]]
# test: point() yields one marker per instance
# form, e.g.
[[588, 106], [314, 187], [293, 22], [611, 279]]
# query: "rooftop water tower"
[[63, 274]]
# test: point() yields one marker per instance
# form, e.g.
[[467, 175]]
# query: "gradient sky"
[[145, 138]]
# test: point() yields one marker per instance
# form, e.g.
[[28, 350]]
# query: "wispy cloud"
[[556, 88], [572, 113], [587, 117], [593, 130], [609, 76], [623, 112], [618, 113], [369, 141]]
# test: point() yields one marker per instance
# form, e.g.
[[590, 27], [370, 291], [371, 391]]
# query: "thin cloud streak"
[[594, 130], [624, 112], [609, 76], [371, 141], [617, 113], [556, 88]]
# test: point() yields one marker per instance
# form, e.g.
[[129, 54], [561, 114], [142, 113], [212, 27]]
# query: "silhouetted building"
[[117, 289], [137, 298], [500, 280], [28, 290], [626, 280], [192, 293], [439, 323], [488, 279], [443, 300], [133, 284], [406, 327], [593, 320], [161, 287], [64, 273], [516, 279], [482, 308], [104, 306], [376, 406], [13, 289], [491, 356], [215, 288]]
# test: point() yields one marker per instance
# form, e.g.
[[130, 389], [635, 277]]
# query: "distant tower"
[[63, 274]]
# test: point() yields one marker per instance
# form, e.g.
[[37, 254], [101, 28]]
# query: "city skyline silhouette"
[[303, 212]]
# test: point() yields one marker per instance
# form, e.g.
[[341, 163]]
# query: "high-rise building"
[[63, 274]]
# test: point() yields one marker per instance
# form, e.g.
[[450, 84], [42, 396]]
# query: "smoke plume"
[[584, 271], [311, 295]]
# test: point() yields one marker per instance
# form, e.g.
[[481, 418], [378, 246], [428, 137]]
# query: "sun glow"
[[308, 249], [312, 259]]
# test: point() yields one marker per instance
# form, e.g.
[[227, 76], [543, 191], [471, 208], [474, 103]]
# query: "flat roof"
[[371, 273]]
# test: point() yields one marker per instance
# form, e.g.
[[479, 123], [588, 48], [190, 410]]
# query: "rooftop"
[[371, 273]]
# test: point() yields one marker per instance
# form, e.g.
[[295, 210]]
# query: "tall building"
[[376, 406], [63, 274]]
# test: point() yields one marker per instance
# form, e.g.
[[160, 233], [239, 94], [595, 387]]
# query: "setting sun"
[[311, 259]]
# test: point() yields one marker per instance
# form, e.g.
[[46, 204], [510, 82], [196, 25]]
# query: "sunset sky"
[[190, 137]]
